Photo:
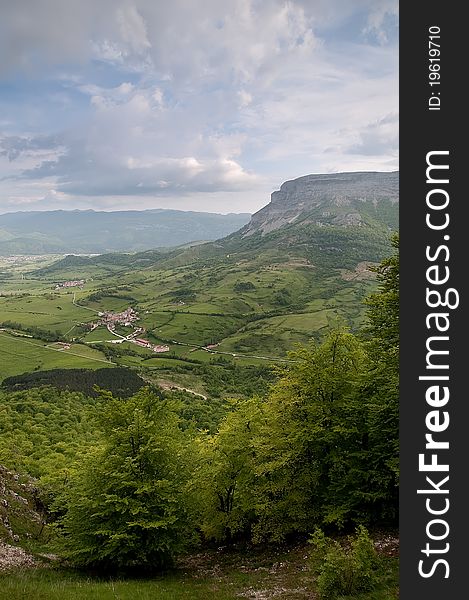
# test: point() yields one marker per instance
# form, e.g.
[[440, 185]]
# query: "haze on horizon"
[[206, 106]]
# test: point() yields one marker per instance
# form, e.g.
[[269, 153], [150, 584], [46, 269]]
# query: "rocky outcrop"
[[13, 557], [331, 199], [19, 515]]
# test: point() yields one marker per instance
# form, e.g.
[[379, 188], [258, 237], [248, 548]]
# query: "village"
[[70, 284], [126, 318]]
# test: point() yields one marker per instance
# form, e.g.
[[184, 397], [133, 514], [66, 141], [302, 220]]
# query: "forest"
[[131, 483]]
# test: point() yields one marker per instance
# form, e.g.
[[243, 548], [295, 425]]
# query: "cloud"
[[82, 177], [35, 33], [133, 144], [378, 138], [155, 102], [15, 146], [382, 19]]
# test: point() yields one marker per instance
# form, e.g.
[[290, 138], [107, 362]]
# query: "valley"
[[243, 308], [245, 300], [199, 300], [159, 404]]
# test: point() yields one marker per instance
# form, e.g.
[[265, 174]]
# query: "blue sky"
[[192, 105]]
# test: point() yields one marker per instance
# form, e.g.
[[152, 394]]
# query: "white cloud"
[[378, 137], [377, 19], [133, 28], [179, 99]]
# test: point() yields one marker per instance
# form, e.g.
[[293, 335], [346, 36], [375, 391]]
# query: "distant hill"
[[111, 261], [88, 231]]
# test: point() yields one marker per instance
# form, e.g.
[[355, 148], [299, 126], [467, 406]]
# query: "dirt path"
[[168, 385]]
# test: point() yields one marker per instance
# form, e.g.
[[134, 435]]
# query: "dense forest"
[[133, 481], [120, 381]]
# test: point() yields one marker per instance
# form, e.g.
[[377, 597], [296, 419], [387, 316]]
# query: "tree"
[[383, 312], [127, 505], [224, 478], [365, 486], [381, 388], [304, 436]]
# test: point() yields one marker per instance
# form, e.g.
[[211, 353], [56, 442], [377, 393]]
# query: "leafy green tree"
[[381, 388], [43, 428], [365, 486], [303, 436], [127, 504], [224, 478], [383, 312]]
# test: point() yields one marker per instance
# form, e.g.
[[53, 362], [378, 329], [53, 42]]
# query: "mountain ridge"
[[331, 220], [327, 199], [62, 231]]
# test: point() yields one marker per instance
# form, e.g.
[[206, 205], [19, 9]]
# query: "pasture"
[[21, 355], [254, 309]]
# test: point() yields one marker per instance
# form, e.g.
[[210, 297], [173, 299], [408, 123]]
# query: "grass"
[[99, 334], [289, 302], [111, 303], [19, 355], [221, 574], [49, 310], [55, 585]]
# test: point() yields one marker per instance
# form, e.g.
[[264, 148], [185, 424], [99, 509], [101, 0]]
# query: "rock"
[[12, 557], [335, 199]]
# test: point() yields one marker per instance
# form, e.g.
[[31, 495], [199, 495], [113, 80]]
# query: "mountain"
[[331, 220], [339, 199], [89, 231], [300, 266]]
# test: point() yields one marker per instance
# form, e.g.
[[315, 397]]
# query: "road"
[[234, 354]]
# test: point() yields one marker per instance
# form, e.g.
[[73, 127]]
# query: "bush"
[[345, 570], [244, 286]]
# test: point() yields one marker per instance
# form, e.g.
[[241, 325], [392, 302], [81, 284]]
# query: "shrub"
[[244, 286], [344, 570]]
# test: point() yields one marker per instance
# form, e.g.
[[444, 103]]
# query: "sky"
[[190, 104]]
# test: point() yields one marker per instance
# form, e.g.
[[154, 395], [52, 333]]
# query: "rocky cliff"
[[341, 199]]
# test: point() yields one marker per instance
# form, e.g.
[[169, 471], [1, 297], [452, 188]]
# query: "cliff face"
[[334, 199]]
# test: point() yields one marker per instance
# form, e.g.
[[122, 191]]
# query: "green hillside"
[[252, 299]]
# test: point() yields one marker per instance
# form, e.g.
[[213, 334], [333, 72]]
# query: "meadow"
[[211, 574], [22, 354], [253, 307]]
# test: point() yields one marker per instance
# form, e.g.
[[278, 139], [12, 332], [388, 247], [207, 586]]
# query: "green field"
[[52, 311], [20, 355], [254, 305], [272, 573]]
